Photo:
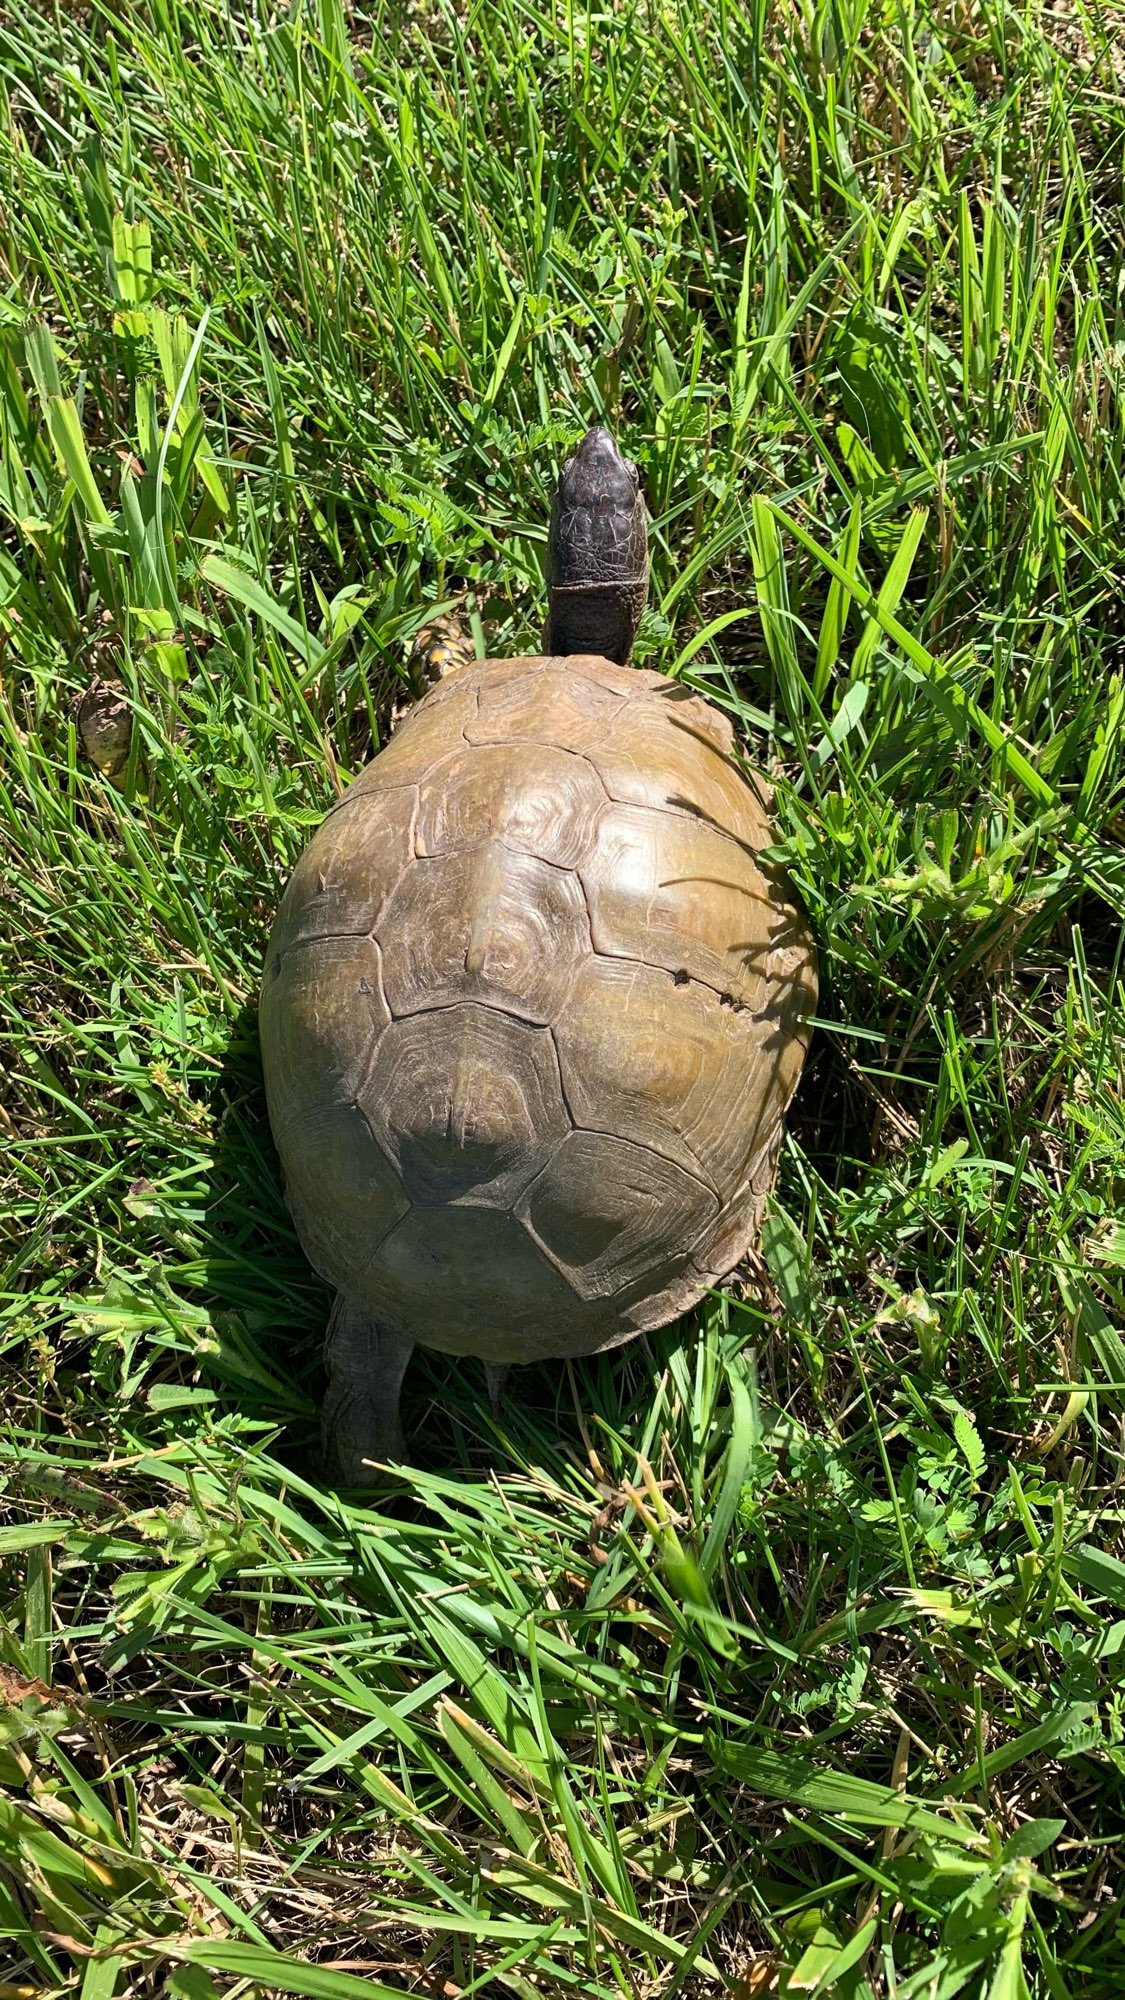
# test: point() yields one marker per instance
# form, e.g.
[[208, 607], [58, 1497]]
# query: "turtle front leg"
[[360, 1420]]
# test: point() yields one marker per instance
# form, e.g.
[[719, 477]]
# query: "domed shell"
[[533, 1009]]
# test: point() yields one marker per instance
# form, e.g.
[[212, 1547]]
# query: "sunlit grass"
[[780, 1652]]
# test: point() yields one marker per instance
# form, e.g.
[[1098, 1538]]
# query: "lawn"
[[782, 1652]]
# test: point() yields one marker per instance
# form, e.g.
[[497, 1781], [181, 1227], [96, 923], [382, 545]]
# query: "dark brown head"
[[597, 553]]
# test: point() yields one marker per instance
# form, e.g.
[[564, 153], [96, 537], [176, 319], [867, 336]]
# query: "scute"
[[349, 868], [484, 924], [322, 1011], [726, 1242], [467, 1104], [534, 798], [736, 1225], [667, 1066], [600, 672], [671, 891], [342, 1191], [547, 704], [471, 1281], [606, 1211], [690, 708], [691, 775], [424, 736]]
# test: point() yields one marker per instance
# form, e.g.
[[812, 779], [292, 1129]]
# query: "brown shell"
[[532, 1012]]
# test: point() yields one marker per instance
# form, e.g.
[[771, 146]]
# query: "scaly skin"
[[597, 553], [360, 1422]]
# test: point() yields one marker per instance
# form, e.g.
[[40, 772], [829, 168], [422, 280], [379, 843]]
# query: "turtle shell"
[[532, 1011]]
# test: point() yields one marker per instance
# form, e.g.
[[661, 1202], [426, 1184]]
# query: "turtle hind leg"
[[495, 1374], [360, 1419]]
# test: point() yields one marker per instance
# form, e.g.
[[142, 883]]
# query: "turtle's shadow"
[[267, 1307]]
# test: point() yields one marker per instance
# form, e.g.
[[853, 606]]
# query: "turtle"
[[535, 1001]]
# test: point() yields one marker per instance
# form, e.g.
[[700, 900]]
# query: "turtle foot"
[[360, 1424]]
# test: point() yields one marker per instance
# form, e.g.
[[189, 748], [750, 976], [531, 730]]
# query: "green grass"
[[784, 1651]]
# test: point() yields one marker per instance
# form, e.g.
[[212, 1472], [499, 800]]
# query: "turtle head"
[[597, 553]]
